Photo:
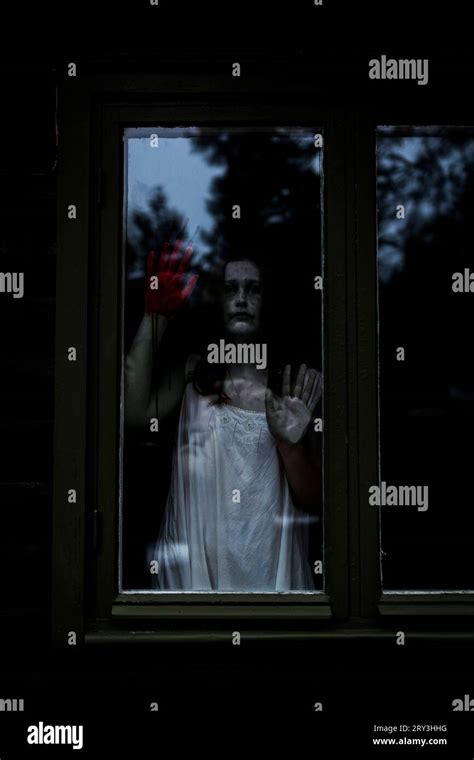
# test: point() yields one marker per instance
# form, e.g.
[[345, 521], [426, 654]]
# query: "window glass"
[[425, 197], [221, 414]]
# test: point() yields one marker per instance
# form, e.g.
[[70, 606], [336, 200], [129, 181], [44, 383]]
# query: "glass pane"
[[425, 195], [222, 361]]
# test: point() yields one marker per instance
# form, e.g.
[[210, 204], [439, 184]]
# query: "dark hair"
[[208, 379]]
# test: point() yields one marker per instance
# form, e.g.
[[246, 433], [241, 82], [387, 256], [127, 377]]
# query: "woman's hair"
[[208, 379]]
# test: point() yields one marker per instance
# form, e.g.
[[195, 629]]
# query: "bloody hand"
[[166, 288]]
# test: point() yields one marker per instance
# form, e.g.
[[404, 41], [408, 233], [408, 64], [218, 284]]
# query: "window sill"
[[374, 636], [427, 604], [222, 607]]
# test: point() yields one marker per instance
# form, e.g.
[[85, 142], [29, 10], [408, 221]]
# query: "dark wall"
[[28, 177]]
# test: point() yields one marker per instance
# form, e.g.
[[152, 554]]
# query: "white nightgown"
[[229, 521]]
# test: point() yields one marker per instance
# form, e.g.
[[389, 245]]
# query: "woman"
[[243, 478]]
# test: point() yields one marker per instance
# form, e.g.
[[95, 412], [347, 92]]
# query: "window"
[[222, 489], [294, 189], [424, 195]]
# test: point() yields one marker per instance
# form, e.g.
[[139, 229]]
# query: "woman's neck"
[[245, 386]]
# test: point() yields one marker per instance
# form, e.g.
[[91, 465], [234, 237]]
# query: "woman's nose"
[[241, 297]]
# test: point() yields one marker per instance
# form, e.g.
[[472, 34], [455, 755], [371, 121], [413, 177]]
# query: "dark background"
[[222, 686]]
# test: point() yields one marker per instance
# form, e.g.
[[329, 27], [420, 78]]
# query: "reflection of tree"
[[272, 177], [427, 174], [149, 229], [433, 177], [426, 401]]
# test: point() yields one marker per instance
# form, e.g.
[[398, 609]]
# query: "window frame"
[[92, 112], [388, 605], [153, 605]]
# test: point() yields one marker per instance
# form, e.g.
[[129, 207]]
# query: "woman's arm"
[[141, 403], [303, 472], [165, 291], [289, 419]]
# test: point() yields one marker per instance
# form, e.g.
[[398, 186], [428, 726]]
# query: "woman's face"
[[242, 298]]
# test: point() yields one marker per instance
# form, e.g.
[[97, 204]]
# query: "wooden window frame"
[[93, 112]]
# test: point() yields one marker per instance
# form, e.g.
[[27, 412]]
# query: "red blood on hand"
[[166, 286]]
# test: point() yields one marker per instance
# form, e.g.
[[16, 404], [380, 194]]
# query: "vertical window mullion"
[[364, 360], [335, 372]]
